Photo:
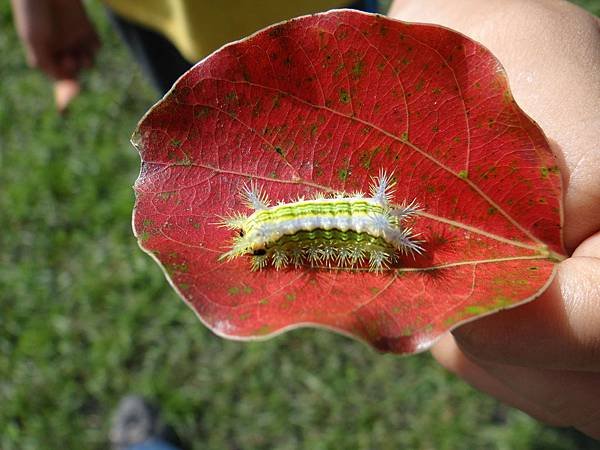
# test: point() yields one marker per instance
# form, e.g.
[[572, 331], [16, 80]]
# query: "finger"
[[42, 58], [559, 330], [65, 91], [31, 57], [590, 247], [447, 353], [562, 398]]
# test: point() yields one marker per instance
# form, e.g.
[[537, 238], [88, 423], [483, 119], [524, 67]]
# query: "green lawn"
[[86, 317]]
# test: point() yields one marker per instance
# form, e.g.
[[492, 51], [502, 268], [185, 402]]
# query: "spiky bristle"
[[280, 259], [410, 243], [235, 221], [241, 246], [405, 210], [379, 260], [258, 262], [254, 197], [382, 187]]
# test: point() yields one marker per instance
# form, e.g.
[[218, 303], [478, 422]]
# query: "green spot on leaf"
[[343, 174], [407, 331], [420, 84], [231, 97], [201, 111], [276, 101], [186, 161], [344, 96], [262, 330], [233, 290], [167, 195], [463, 174], [475, 309], [176, 268], [357, 69], [502, 301], [236, 290], [545, 172]]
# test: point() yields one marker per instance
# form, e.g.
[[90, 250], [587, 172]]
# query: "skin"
[[59, 40], [542, 357]]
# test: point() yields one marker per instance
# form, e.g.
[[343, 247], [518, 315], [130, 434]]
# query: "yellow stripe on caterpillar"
[[342, 232]]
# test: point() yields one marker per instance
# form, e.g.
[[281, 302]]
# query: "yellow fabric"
[[198, 27]]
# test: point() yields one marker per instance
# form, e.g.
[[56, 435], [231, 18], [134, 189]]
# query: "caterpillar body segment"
[[347, 231]]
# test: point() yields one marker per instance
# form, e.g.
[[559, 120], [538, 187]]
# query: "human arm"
[[58, 39]]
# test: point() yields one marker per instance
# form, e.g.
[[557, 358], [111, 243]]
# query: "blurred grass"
[[592, 6], [86, 317]]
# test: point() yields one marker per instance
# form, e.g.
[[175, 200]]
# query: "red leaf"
[[323, 102]]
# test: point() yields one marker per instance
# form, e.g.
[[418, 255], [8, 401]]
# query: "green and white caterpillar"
[[346, 231]]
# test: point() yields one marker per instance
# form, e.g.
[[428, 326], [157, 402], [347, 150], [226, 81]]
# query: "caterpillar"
[[345, 231]]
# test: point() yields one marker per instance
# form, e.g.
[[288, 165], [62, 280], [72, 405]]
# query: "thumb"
[[559, 330]]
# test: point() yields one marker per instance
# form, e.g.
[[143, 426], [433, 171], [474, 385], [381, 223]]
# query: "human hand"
[[542, 357], [59, 39]]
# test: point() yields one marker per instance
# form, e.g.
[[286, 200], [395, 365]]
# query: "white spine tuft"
[[254, 197], [382, 189]]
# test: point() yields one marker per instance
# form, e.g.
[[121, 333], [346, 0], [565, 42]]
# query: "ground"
[[86, 317]]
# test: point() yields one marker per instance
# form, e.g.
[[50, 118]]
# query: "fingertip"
[[65, 90], [446, 352]]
